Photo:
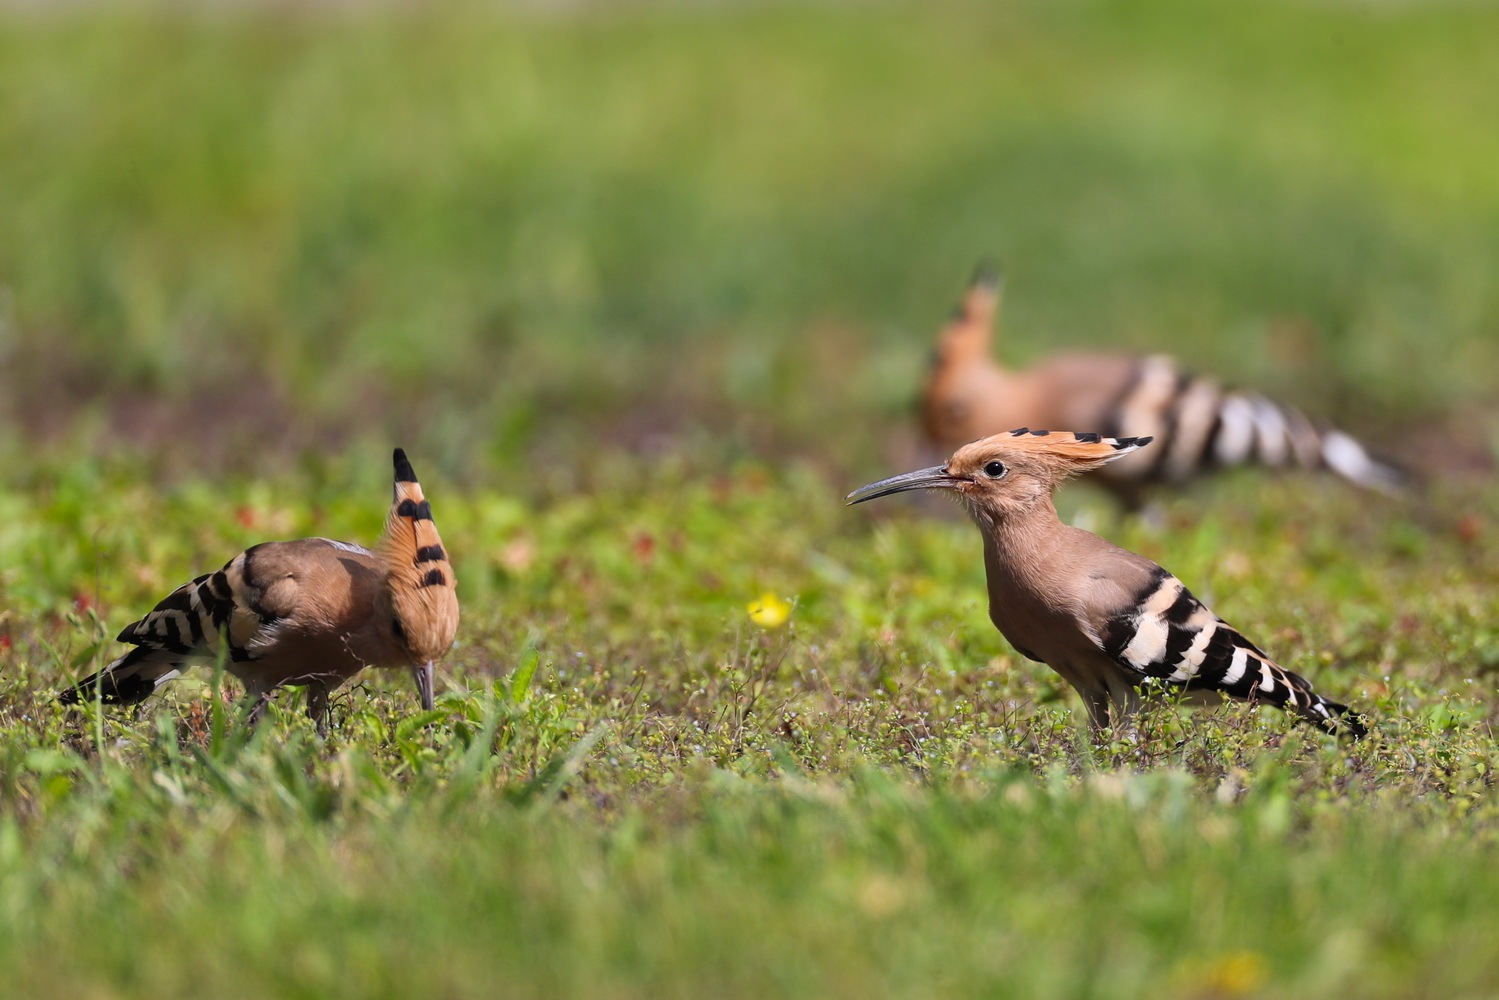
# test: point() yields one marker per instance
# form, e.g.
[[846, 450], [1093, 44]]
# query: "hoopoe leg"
[[317, 707], [1097, 704], [256, 696], [1126, 702], [1117, 704]]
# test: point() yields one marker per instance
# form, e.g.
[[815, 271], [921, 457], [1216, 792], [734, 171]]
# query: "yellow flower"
[[769, 611], [1234, 974]]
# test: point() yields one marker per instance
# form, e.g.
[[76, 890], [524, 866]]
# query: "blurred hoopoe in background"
[[311, 613], [1106, 619], [1199, 426]]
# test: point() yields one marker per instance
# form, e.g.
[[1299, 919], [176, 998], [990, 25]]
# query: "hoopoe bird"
[[1200, 426], [311, 613], [1108, 620]]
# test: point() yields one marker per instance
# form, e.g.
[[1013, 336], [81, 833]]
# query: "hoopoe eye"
[[995, 469]]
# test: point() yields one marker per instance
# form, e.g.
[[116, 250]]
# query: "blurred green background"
[[503, 233]]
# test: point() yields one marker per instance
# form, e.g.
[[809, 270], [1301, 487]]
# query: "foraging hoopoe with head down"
[[309, 613], [1108, 620], [1199, 425]]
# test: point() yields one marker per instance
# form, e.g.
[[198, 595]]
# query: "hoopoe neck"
[[1021, 527], [1019, 534]]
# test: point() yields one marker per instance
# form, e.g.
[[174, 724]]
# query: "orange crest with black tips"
[[421, 582]]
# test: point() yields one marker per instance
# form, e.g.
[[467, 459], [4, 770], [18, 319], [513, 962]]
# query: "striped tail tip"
[[1344, 455], [111, 691], [1336, 719], [132, 678], [1354, 725], [404, 472]]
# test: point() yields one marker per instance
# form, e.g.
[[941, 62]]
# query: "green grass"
[[645, 292], [630, 789]]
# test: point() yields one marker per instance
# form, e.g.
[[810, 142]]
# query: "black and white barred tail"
[[1171, 636], [183, 630], [133, 677], [1200, 426]]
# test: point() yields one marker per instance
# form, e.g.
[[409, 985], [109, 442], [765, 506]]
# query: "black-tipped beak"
[[423, 675], [923, 479]]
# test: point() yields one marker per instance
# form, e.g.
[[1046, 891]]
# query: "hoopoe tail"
[[1167, 634], [1294, 693], [1347, 457], [133, 677], [180, 631], [1336, 718]]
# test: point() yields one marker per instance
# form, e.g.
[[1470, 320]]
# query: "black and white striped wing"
[[188, 620], [1170, 635], [242, 605], [182, 630], [1199, 426], [237, 611]]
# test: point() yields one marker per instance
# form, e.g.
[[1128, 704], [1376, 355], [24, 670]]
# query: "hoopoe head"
[[968, 333], [419, 579], [1009, 472]]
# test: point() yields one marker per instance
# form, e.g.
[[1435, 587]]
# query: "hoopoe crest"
[[311, 613], [1107, 620], [420, 580], [1199, 426]]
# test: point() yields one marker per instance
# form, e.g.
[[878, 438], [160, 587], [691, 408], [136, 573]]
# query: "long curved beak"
[[936, 478], [424, 675]]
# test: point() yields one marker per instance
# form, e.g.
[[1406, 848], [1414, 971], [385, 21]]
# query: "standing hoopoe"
[[1199, 425], [1106, 619], [309, 613]]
